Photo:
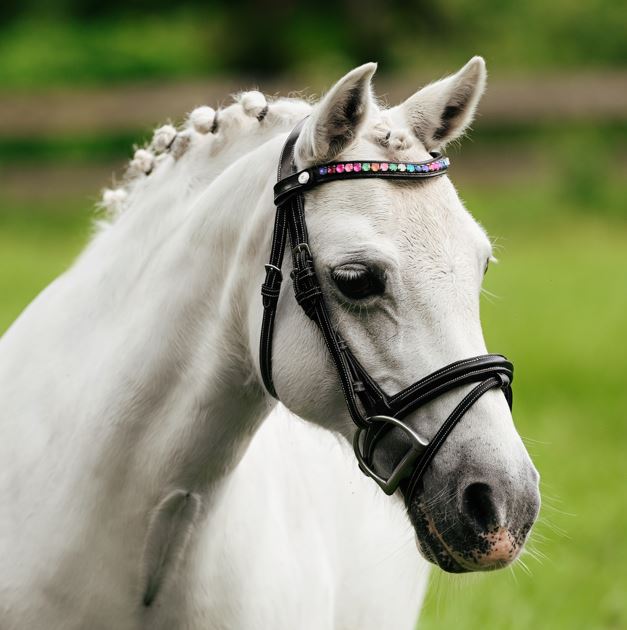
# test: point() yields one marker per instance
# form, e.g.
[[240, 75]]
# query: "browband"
[[310, 177], [373, 410]]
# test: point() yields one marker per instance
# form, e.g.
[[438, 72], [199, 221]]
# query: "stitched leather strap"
[[271, 287]]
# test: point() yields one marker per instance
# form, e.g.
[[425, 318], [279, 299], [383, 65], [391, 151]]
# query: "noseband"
[[373, 411]]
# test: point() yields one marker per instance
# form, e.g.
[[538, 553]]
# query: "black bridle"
[[371, 409]]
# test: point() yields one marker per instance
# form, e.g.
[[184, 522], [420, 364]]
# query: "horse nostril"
[[478, 504]]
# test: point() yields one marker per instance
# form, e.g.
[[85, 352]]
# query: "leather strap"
[[446, 428], [271, 287], [299, 182]]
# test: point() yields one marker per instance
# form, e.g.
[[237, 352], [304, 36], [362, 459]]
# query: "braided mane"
[[204, 145]]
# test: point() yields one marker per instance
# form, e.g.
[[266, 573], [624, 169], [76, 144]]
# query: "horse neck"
[[140, 383]]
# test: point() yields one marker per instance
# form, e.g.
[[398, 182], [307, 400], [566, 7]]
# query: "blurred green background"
[[544, 171]]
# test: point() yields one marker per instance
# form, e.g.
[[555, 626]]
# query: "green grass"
[[561, 315], [36, 244]]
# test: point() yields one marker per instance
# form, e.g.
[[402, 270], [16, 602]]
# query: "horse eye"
[[358, 281]]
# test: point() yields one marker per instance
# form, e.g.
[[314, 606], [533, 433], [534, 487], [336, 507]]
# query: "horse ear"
[[335, 120], [442, 111]]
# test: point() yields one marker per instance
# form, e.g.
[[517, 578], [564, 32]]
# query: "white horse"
[[134, 495]]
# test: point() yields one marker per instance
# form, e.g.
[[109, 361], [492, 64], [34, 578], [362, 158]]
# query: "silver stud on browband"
[[303, 178]]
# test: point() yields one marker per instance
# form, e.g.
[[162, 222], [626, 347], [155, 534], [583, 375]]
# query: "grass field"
[[559, 310]]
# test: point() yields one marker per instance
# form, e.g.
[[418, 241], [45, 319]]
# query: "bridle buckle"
[[302, 248], [271, 287], [271, 270]]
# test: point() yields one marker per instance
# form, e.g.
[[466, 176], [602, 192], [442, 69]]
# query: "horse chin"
[[440, 557], [432, 550], [435, 549]]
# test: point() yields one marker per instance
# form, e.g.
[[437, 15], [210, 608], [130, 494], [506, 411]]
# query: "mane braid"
[[202, 146]]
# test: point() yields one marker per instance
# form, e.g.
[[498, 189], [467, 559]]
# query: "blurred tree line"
[[77, 41]]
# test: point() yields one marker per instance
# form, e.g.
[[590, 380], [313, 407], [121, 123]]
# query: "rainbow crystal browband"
[[310, 177]]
